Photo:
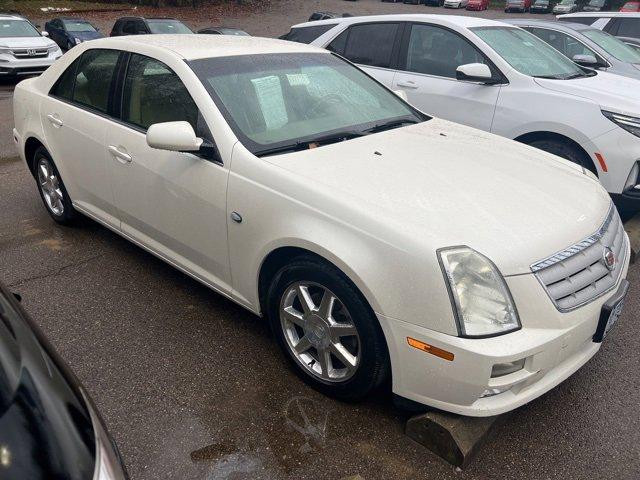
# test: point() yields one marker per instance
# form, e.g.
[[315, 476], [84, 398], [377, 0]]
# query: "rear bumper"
[[552, 344]]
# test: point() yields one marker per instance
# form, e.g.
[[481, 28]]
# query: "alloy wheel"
[[320, 331], [50, 187]]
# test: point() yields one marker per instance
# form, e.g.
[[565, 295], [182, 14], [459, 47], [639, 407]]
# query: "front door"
[[428, 61], [172, 203]]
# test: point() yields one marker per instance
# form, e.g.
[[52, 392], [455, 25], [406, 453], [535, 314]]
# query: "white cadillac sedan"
[[473, 271]]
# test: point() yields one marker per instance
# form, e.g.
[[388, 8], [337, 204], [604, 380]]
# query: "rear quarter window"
[[307, 34]]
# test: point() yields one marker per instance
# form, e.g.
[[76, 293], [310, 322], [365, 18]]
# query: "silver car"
[[585, 45]]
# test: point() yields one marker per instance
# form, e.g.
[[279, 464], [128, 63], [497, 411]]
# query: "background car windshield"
[[567, 2], [613, 46], [72, 26], [167, 26], [596, 3], [17, 28], [527, 53], [275, 100]]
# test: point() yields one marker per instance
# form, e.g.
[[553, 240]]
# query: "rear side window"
[[63, 88], [582, 20], [371, 44], [94, 77], [307, 34], [153, 93]]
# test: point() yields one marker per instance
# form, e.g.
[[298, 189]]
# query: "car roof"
[[12, 16], [195, 46], [450, 20], [550, 24]]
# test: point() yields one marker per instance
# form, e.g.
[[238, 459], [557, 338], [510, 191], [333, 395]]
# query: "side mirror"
[[45, 33], [173, 136], [402, 94], [474, 72], [586, 60]]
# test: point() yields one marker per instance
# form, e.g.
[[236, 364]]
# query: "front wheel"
[[327, 330], [566, 151]]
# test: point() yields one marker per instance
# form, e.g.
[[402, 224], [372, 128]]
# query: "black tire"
[[566, 151], [68, 215], [373, 364]]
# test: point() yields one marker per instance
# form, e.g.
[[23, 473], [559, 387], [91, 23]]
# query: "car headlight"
[[630, 124], [481, 299], [77, 40]]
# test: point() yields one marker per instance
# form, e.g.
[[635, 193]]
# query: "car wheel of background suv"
[[52, 190], [566, 151], [327, 329]]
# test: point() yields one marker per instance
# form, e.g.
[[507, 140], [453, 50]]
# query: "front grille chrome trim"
[[553, 277]]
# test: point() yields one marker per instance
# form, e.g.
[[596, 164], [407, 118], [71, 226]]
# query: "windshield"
[[167, 26], [528, 54], [73, 26], [567, 2], [286, 101], [596, 3], [17, 28], [616, 48]]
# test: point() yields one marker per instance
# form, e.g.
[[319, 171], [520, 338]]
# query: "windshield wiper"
[[306, 144], [380, 127]]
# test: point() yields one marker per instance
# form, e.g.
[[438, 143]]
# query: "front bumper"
[[620, 151], [10, 67], [553, 344]]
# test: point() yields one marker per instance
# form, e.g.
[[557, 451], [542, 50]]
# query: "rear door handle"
[[407, 84], [55, 120], [121, 156]]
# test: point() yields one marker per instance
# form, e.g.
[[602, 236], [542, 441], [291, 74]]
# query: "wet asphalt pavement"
[[192, 386]]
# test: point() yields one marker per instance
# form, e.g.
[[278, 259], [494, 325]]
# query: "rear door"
[[429, 57], [75, 121], [172, 203], [373, 47]]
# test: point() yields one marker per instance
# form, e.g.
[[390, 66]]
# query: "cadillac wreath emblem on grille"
[[609, 258]]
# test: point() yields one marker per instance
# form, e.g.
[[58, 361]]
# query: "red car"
[[631, 7], [478, 5]]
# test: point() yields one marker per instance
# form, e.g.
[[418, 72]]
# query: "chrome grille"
[[30, 52], [579, 274]]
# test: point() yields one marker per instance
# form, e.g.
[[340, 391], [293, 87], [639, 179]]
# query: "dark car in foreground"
[[146, 26], [49, 428], [69, 32]]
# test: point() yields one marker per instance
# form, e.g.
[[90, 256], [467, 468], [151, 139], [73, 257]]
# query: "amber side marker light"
[[425, 347], [602, 163]]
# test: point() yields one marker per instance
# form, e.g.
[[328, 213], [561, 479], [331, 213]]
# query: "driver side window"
[[437, 51]]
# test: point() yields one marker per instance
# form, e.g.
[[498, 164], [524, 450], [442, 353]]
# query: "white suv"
[[502, 79], [23, 49]]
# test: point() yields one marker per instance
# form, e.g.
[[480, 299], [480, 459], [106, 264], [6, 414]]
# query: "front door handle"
[[55, 120], [408, 84], [121, 156]]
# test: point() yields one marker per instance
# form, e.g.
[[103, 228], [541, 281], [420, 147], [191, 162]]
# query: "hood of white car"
[[26, 42], [439, 184], [610, 91]]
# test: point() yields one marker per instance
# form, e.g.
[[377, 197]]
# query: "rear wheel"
[[52, 190], [327, 330]]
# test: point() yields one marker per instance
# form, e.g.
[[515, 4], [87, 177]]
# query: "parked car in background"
[[326, 15], [631, 7], [49, 427], [585, 45], [69, 32], [566, 6], [619, 24], [542, 6], [23, 49], [146, 26], [478, 5], [223, 31], [517, 6], [598, 6], [502, 79], [455, 3], [434, 3], [290, 170]]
